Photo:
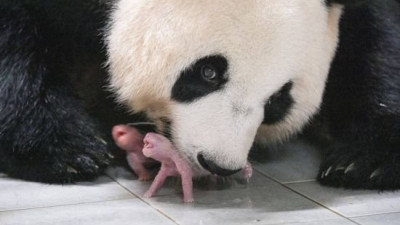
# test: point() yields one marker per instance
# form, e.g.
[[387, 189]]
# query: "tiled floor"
[[282, 191]]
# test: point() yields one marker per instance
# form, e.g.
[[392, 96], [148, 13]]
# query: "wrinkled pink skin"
[[247, 171], [161, 149], [158, 147], [130, 140]]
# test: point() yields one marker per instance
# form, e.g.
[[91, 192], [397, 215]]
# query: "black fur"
[[348, 2], [191, 86], [362, 100], [54, 111], [48, 105], [278, 105]]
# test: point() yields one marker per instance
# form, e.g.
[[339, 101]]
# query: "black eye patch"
[[346, 2], [203, 77], [278, 105]]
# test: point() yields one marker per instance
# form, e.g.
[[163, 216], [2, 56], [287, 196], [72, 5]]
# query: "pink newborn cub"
[[160, 148], [130, 140], [157, 147]]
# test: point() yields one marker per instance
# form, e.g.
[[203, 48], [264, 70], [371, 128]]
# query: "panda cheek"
[[278, 105]]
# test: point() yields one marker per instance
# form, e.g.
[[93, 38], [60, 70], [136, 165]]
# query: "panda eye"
[[208, 72], [204, 76]]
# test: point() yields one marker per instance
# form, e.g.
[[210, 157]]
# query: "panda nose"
[[214, 168]]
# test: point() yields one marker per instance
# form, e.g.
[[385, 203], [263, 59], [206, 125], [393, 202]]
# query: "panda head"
[[211, 71]]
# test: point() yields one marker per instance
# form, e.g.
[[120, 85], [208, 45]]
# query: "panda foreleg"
[[361, 166], [365, 131], [362, 100], [45, 134]]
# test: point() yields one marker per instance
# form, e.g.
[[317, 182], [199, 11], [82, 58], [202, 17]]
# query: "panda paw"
[[82, 164], [63, 158], [357, 167]]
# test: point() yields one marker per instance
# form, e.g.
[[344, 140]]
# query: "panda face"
[[211, 71]]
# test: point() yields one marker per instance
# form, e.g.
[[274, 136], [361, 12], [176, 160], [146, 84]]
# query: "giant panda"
[[214, 76]]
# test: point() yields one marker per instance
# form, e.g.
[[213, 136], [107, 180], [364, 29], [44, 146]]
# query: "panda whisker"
[[140, 123]]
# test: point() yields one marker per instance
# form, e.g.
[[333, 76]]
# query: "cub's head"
[[216, 74]]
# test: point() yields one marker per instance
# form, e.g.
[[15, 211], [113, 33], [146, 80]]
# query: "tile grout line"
[[376, 214], [304, 223], [72, 204], [306, 197], [297, 182], [144, 201], [333, 211]]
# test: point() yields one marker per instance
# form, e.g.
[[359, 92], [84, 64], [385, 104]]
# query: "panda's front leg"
[[46, 136], [362, 102], [369, 161], [45, 133]]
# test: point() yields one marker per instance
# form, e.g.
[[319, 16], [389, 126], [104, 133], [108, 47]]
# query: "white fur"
[[267, 43]]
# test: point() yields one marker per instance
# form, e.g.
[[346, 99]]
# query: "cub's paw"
[[360, 167]]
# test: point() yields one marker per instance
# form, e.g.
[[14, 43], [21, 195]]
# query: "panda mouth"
[[214, 168], [160, 126], [163, 127]]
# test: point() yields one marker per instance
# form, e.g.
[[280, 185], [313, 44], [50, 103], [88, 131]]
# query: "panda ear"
[[348, 2]]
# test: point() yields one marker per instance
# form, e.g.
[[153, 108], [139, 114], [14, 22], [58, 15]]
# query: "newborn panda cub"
[[140, 150]]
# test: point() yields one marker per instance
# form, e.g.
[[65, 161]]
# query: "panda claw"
[[322, 174], [328, 171], [101, 140], [72, 170], [339, 168], [376, 173], [110, 156], [349, 168]]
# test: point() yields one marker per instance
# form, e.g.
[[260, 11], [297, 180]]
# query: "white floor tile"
[[350, 203], [123, 212], [269, 204], [383, 219], [129, 180], [217, 201], [172, 185], [16, 194], [326, 222], [292, 162]]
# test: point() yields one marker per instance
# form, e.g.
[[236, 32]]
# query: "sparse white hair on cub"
[[266, 44]]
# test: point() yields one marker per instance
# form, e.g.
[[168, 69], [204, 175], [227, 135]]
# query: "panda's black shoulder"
[[76, 21], [346, 2], [354, 3], [364, 79]]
